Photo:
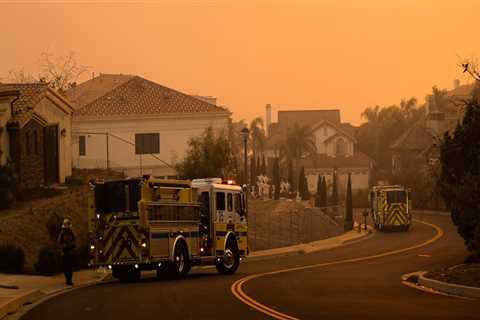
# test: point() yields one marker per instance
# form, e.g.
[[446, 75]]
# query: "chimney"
[[268, 119], [93, 75], [456, 83]]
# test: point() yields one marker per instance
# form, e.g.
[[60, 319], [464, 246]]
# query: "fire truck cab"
[[166, 225]]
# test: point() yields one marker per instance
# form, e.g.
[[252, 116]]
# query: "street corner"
[[12, 300], [420, 280]]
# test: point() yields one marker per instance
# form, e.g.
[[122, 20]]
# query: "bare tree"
[[471, 67], [60, 72]]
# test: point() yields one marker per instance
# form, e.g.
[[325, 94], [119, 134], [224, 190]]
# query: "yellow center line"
[[237, 286]]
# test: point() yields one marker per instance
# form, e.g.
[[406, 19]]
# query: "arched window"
[[341, 147]]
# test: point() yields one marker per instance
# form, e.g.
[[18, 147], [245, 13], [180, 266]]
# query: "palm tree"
[[300, 142], [371, 114], [257, 134], [408, 107], [438, 100]]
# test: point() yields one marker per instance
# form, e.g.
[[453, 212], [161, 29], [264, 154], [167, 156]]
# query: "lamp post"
[[244, 133]]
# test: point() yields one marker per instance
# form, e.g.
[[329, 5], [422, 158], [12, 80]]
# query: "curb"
[[450, 288], [306, 248], [13, 305]]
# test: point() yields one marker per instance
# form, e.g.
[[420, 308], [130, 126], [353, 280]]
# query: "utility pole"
[[108, 153]]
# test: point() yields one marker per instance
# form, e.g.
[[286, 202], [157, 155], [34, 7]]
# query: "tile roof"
[[88, 91], [418, 137], [318, 161], [138, 96], [30, 95], [307, 117]]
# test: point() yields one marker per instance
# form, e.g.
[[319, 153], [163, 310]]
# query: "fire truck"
[[390, 207], [166, 225]]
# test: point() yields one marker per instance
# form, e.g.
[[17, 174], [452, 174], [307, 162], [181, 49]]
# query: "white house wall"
[[49, 111], [360, 180], [174, 136]]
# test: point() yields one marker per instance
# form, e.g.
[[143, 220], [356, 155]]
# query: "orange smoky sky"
[[293, 54]]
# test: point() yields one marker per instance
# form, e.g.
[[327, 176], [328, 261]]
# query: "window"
[[220, 200], [82, 145], [341, 147], [238, 199], [396, 197], [230, 202], [146, 143]]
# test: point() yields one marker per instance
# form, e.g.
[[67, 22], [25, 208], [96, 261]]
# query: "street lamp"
[[244, 133]]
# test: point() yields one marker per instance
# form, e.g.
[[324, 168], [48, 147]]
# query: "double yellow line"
[[237, 286]]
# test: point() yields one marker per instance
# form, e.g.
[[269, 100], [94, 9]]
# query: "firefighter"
[[66, 239]]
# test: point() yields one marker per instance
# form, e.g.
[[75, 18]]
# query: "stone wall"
[[279, 223], [32, 163], [27, 227]]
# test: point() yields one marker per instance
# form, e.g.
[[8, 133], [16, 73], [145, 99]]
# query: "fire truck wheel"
[[181, 263], [231, 258]]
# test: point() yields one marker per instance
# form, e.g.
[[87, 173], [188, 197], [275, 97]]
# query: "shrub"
[[49, 261], [8, 186], [38, 193], [74, 181], [54, 226], [12, 258]]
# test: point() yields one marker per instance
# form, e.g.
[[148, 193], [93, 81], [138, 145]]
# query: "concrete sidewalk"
[[19, 290], [326, 244]]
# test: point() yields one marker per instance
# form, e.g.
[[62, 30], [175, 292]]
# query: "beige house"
[[335, 147], [35, 131], [134, 125]]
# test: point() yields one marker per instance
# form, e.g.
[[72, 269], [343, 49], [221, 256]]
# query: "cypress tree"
[[303, 185], [334, 198], [258, 167], [276, 178], [318, 195], [290, 175], [264, 166], [349, 206], [324, 201]]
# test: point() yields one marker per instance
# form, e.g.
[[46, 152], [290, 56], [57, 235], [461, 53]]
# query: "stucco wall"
[[325, 132], [174, 135], [360, 179], [47, 109]]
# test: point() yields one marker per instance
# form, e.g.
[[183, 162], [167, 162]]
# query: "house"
[[35, 129], [335, 147], [419, 143], [134, 125]]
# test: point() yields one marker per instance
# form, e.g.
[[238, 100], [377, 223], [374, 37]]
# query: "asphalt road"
[[368, 289]]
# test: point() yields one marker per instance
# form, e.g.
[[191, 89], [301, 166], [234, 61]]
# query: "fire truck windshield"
[[396, 196]]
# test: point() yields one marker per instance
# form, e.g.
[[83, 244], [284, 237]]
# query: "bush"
[[74, 181], [54, 226], [49, 261], [38, 193], [8, 186], [12, 258]]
